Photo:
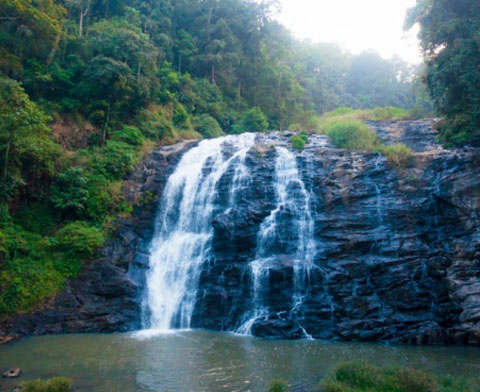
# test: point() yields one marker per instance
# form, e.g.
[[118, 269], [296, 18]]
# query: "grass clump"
[[57, 384], [299, 141], [278, 386], [398, 155], [386, 113], [351, 134], [342, 114], [361, 377]]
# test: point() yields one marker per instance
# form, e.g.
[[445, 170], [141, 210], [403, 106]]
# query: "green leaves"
[[449, 37], [26, 148], [254, 121], [80, 239]]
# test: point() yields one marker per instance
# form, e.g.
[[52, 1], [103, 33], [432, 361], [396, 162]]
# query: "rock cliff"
[[398, 251]]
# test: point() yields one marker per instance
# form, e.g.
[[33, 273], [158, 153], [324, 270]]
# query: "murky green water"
[[207, 361]]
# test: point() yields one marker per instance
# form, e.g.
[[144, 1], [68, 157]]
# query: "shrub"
[[57, 384], [180, 117], [351, 134], [299, 141], [79, 239], [130, 135], [117, 159], [254, 121], [398, 155], [207, 126], [278, 386]]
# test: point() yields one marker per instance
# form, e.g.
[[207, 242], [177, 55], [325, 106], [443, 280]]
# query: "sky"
[[356, 25]]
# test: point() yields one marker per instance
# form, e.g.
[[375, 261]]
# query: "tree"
[[450, 39], [26, 148], [254, 121]]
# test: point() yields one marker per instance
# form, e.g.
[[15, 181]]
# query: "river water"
[[208, 361]]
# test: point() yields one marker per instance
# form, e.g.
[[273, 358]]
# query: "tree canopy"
[[450, 39]]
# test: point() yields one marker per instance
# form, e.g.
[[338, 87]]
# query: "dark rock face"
[[106, 296], [398, 252]]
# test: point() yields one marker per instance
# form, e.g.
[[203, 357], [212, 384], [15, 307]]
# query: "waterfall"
[[182, 239], [288, 230]]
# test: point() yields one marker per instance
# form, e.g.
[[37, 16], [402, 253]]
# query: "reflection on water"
[[207, 361]]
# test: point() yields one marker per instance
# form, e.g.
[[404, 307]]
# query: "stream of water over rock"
[[182, 243]]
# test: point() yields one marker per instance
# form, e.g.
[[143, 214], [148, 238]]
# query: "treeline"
[[108, 60], [88, 86]]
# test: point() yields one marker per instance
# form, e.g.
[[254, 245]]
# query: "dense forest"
[[89, 86]]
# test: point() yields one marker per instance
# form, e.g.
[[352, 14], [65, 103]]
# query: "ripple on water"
[[206, 361]]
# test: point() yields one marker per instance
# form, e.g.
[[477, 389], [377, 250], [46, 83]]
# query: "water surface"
[[212, 362]]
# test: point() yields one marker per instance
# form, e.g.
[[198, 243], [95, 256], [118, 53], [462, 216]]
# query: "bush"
[[207, 126], [57, 384], [130, 135], [398, 155], [254, 121], [180, 117], [79, 239], [117, 159], [278, 386], [299, 141], [351, 134]]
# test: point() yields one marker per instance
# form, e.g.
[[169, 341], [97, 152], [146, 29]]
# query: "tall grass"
[[57, 384], [360, 377], [351, 134]]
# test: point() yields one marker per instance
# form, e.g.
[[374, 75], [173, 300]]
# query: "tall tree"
[[450, 39]]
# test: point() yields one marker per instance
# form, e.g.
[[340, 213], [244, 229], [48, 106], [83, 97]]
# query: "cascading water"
[[182, 242], [288, 230]]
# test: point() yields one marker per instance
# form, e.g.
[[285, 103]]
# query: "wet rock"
[[14, 372]]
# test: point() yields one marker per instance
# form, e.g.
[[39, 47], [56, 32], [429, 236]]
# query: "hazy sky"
[[356, 25]]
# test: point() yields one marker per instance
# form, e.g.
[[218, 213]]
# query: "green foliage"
[[450, 41], [117, 159], [27, 273], [79, 239], [278, 386], [154, 125], [398, 155], [207, 126], [351, 134], [253, 121], [181, 117], [26, 148], [361, 377], [130, 135], [387, 113], [299, 141], [57, 384]]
